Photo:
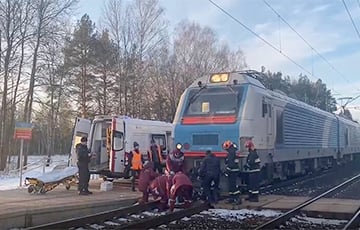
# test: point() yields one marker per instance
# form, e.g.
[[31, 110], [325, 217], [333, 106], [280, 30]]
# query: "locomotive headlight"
[[219, 77], [178, 146]]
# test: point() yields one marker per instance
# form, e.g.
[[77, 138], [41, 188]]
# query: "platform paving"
[[20, 209]]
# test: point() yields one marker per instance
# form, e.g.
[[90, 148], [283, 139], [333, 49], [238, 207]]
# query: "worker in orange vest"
[[155, 156], [137, 160]]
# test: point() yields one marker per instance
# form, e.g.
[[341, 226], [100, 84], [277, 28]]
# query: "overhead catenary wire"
[[306, 42], [351, 18], [264, 40]]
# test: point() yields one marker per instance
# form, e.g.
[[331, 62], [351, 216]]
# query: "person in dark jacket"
[[209, 173], [154, 155], [136, 160], [147, 175], [175, 160], [232, 172], [83, 159], [253, 166]]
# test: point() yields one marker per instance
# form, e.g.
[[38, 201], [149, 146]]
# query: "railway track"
[[122, 219], [269, 189], [272, 224], [354, 221], [98, 217], [155, 221]]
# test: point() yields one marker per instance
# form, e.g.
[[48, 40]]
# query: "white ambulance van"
[[111, 138]]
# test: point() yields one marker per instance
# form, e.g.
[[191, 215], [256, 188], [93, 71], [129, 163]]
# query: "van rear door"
[[117, 151], [81, 129]]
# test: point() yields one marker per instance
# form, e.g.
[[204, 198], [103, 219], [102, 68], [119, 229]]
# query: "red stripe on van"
[[208, 120], [113, 127]]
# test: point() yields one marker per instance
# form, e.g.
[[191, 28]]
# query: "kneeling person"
[[181, 186], [147, 175], [158, 188]]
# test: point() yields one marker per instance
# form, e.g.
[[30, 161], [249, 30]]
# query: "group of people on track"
[[174, 183]]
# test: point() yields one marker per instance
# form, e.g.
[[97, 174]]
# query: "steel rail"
[[353, 222], [284, 217], [98, 217], [155, 221], [310, 177]]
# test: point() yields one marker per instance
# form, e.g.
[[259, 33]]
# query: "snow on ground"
[[234, 215], [319, 221], [11, 180]]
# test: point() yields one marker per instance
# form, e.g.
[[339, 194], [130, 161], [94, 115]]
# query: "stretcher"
[[48, 181]]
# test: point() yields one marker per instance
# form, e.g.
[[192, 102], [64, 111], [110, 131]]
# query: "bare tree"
[[13, 23], [48, 15], [138, 29], [114, 21], [49, 12], [149, 29]]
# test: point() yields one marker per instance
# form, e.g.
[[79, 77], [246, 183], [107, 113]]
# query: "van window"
[[118, 141], [159, 140]]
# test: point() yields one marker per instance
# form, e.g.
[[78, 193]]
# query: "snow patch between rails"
[[121, 219], [111, 223], [97, 226], [319, 221], [239, 214]]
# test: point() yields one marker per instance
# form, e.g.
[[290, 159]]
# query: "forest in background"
[[53, 69]]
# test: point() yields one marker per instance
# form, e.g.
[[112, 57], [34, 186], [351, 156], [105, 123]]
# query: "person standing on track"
[[136, 159], [253, 165], [209, 173], [232, 172], [83, 160], [175, 160], [154, 155]]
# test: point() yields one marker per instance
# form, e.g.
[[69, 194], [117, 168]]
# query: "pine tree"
[[80, 61]]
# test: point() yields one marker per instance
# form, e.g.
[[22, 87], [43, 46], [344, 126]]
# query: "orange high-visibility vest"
[[136, 162], [158, 150]]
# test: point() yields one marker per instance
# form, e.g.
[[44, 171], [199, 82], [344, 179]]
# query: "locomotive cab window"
[[214, 101]]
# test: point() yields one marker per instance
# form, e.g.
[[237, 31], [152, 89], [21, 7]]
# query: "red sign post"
[[23, 131]]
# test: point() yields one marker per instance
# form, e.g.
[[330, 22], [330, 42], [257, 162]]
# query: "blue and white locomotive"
[[291, 137]]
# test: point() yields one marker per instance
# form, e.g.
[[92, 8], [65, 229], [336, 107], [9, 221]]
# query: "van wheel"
[[31, 189]]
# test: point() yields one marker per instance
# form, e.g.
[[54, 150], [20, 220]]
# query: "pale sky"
[[324, 24]]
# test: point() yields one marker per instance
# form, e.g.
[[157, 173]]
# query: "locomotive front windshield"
[[214, 101]]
